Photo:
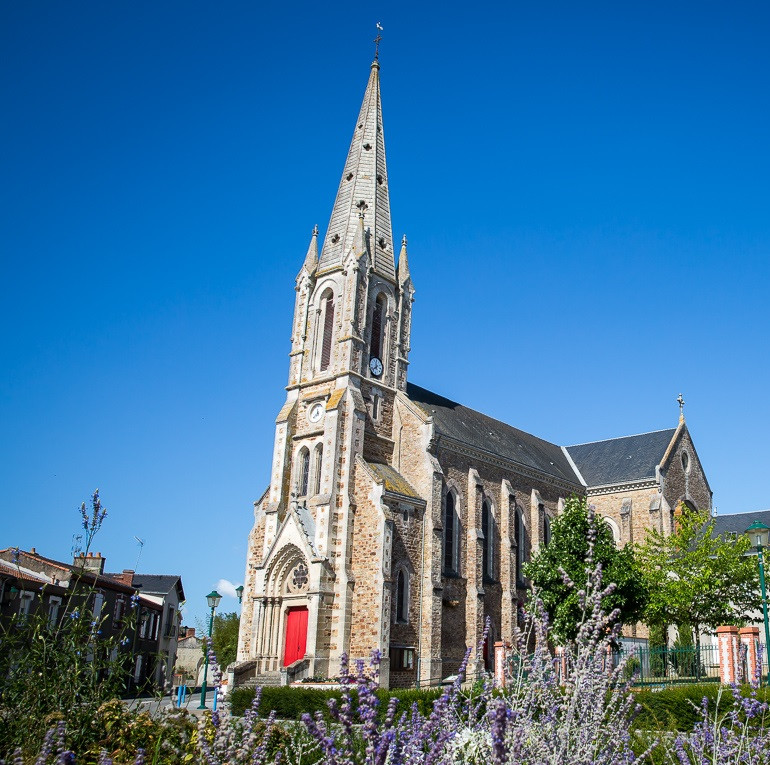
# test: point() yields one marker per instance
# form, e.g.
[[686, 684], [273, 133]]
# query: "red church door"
[[296, 635]]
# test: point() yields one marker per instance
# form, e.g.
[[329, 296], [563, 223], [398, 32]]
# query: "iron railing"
[[669, 666]]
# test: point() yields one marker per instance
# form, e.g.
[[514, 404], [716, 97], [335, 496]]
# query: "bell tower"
[[348, 358]]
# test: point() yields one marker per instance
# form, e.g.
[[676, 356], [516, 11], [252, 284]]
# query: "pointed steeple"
[[311, 259], [403, 264], [363, 188]]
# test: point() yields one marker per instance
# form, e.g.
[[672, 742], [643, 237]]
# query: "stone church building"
[[395, 518]]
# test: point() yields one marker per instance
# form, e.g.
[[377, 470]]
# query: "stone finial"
[[403, 264], [311, 259], [359, 242]]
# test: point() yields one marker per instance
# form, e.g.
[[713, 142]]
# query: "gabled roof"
[[364, 187], [157, 584], [737, 523], [37, 556], [621, 460], [487, 434], [392, 481]]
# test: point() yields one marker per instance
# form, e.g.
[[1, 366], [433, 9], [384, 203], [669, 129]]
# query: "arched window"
[[318, 463], [378, 326], [520, 533], [613, 527], [402, 597], [327, 310], [546, 527], [303, 471], [450, 534], [487, 530]]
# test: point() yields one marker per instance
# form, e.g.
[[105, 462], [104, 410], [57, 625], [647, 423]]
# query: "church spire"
[[363, 189]]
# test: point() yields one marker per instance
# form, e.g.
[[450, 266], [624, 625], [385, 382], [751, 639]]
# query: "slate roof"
[[487, 434], [618, 460], [305, 518], [157, 584], [737, 523], [392, 480]]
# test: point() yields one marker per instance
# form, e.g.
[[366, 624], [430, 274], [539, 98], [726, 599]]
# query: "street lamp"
[[760, 535], [212, 599], [239, 593]]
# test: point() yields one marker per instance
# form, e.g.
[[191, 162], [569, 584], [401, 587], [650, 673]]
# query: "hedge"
[[670, 709], [291, 702], [677, 708]]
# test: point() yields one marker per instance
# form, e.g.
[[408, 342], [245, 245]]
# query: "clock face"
[[316, 413], [376, 366]]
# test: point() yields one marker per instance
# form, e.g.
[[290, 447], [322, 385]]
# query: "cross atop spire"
[[680, 401], [363, 188], [377, 40]]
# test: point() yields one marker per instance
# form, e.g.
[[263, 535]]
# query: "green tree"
[[224, 638], [696, 578], [568, 551]]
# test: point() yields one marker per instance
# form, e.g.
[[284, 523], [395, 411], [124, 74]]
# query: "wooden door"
[[296, 635]]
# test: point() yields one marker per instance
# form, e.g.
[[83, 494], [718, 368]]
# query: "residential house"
[[166, 592]]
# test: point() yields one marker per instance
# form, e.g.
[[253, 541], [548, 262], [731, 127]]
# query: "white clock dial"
[[316, 413], [375, 365]]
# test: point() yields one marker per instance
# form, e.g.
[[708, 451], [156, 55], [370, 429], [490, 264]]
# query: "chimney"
[[127, 577], [190, 632], [93, 562]]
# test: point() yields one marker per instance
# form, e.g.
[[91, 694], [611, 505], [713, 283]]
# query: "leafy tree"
[[571, 534], [224, 638], [696, 578]]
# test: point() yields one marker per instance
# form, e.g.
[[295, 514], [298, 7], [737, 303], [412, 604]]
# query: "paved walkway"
[[153, 704]]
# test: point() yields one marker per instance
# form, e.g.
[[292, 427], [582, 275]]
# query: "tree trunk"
[[696, 630]]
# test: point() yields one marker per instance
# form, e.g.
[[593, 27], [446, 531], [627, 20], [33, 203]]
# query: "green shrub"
[[677, 708], [291, 702]]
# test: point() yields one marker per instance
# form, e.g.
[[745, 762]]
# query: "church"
[[396, 519]]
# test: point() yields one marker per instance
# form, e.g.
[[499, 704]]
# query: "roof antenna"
[[141, 547], [377, 41]]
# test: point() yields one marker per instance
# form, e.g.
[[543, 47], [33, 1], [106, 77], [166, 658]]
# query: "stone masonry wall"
[[685, 484], [366, 567], [461, 624], [407, 539]]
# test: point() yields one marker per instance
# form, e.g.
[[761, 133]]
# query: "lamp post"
[[760, 534], [212, 599], [239, 592]]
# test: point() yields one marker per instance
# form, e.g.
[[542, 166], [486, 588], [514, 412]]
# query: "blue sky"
[[584, 188]]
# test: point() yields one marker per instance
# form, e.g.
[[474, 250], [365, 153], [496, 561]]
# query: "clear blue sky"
[[584, 187]]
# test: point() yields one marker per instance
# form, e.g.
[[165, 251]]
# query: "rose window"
[[298, 578]]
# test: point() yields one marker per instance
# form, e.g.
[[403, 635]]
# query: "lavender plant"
[[736, 735], [572, 706]]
